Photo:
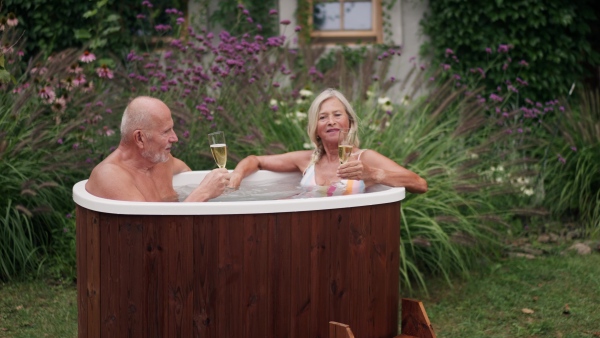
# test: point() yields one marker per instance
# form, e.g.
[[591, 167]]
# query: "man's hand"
[[213, 185]]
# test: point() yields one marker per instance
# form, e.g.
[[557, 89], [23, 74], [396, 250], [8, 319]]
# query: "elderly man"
[[142, 167]]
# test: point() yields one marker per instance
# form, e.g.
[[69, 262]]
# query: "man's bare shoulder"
[[113, 181]]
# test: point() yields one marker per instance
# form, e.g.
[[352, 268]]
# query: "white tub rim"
[[380, 195]]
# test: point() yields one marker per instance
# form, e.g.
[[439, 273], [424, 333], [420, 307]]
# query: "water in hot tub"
[[265, 190]]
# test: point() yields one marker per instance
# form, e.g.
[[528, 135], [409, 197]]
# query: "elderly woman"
[[329, 113]]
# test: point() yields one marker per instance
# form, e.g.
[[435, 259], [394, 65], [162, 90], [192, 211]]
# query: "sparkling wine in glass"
[[218, 148], [345, 144]]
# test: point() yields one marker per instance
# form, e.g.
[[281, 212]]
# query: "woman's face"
[[331, 118]]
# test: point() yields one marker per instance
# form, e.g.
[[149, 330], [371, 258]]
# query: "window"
[[346, 21]]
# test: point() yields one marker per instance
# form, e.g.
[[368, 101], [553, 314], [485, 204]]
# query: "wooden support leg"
[[414, 320], [339, 330]]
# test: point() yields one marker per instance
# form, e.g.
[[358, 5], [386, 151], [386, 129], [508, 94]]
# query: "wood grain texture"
[[264, 275], [415, 321]]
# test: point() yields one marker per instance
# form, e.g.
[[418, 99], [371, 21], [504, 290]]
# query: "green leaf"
[[112, 17], [2, 60], [82, 34], [91, 13], [111, 30], [97, 43], [108, 62], [4, 76], [101, 3]]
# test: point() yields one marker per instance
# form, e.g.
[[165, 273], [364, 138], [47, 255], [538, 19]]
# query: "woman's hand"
[[356, 170], [235, 180]]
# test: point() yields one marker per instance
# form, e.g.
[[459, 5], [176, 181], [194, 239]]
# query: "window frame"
[[375, 35]]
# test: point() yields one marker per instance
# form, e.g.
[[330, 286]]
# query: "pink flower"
[[12, 20], [74, 68], [87, 57], [104, 71], [273, 12], [59, 105], [79, 80], [285, 22], [298, 28], [47, 93]]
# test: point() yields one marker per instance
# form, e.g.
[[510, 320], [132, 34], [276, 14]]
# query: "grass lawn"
[[498, 304], [489, 305]]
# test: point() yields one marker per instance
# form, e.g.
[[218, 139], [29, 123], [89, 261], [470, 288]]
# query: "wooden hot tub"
[[253, 269]]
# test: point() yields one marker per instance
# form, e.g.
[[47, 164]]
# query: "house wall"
[[405, 32]]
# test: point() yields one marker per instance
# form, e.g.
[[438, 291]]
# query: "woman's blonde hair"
[[313, 118]]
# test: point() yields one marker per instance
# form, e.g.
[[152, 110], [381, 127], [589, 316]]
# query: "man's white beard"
[[155, 157]]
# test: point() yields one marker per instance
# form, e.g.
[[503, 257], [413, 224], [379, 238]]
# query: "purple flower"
[[186, 134], [561, 159], [76, 146], [249, 19], [520, 130], [574, 148], [496, 98], [60, 141], [285, 22], [446, 66], [273, 12], [449, 51], [297, 28], [180, 21], [276, 84], [392, 79], [561, 108], [68, 215], [488, 50], [140, 16], [503, 49], [523, 63], [274, 108]]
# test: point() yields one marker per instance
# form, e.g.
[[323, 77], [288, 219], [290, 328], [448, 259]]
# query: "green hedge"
[[552, 36]]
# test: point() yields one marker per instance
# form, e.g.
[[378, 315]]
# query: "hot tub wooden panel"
[[263, 275]]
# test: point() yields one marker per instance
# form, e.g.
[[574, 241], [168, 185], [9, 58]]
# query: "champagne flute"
[[346, 139], [218, 148]]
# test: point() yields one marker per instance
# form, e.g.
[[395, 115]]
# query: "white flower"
[[299, 101], [500, 168], [499, 179], [405, 101], [387, 107], [273, 102], [473, 155], [277, 122], [305, 93], [370, 93], [383, 101], [528, 191], [300, 115]]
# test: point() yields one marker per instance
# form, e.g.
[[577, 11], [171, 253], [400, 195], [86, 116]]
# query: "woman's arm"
[[288, 162], [374, 168]]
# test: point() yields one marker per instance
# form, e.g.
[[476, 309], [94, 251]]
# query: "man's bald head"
[[139, 114]]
